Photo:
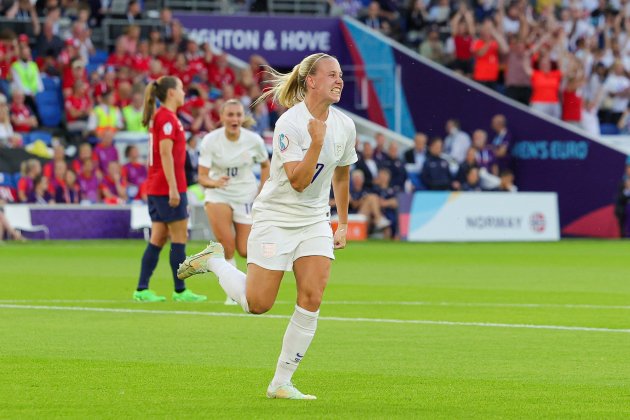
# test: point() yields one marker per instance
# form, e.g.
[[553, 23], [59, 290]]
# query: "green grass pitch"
[[406, 331]]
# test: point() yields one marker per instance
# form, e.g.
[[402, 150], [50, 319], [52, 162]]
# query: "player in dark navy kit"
[[166, 187]]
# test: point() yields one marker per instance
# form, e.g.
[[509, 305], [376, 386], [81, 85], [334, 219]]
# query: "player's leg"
[[311, 274], [150, 258], [242, 234], [220, 218], [178, 231], [312, 260]]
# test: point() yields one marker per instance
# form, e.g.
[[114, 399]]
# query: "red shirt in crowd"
[[69, 79], [77, 103], [546, 86], [22, 113], [486, 67], [463, 47], [166, 125], [220, 77], [116, 60], [571, 106]]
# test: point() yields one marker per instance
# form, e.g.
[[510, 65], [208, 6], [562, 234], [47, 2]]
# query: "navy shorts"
[[160, 211]]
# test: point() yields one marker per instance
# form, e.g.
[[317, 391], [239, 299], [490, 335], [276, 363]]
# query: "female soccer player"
[[166, 187], [313, 146], [226, 157]]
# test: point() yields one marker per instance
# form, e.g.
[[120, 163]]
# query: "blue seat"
[[33, 136], [608, 129], [50, 108], [92, 67], [51, 83], [99, 57], [7, 180]]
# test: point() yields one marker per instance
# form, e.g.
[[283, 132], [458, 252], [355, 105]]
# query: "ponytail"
[[156, 89], [149, 103], [290, 89]]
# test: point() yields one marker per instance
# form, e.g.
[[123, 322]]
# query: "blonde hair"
[[248, 120], [156, 89], [290, 88]]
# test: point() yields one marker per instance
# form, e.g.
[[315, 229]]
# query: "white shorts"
[[276, 248], [241, 212]]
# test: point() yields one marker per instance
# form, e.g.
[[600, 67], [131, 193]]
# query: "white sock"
[[232, 261], [297, 338], [231, 280]]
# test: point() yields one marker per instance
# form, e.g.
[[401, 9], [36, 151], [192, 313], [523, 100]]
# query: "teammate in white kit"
[[313, 147], [226, 159]]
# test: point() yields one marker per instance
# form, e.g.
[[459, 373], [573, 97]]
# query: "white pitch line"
[[323, 318], [364, 302]]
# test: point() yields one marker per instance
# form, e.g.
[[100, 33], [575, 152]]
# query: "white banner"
[[475, 216]]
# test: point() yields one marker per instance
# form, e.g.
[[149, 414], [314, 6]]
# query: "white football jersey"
[[234, 159], [281, 205]]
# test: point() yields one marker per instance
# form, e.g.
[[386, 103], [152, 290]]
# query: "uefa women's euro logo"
[[537, 222]]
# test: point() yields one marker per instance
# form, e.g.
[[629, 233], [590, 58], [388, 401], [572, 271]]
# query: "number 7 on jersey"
[[318, 170]]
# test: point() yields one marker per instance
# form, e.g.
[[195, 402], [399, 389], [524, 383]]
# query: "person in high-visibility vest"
[[106, 115], [25, 73], [132, 114]]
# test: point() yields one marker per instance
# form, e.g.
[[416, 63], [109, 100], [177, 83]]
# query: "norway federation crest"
[[283, 142]]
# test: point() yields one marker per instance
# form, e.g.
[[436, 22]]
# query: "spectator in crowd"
[[433, 48], [113, 187], [506, 184], [89, 183], [106, 116], [25, 12], [29, 170], [367, 164], [78, 108], [178, 38], [134, 173], [22, 117], [617, 86], [166, 23], [345, 7], [68, 193], [59, 155], [130, 40], [220, 74], [472, 182], [380, 151], [120, 57], [192, 160], [416, 19], [545, 87], [8, 137], [469, 163], [396, 168], [456, 142], [76, 71], [387, 201], [418, 153], [132, 114], [364, 201], [501, 142], [436, 174], [486, 50], [105, 151], [48, 41], [374, 19], [26, 77], [84, 154], [40, 194], [261, 116], [462, 31], [81, 36], [484, 154], [518, 85], [58, 176], [134, 11]]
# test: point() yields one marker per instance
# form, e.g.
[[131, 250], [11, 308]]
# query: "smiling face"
[[232, 118], [326, 83]]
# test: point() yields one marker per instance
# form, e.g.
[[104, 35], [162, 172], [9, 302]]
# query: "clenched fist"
[[317, 130]]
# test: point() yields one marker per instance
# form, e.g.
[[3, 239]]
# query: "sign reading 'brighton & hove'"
[[282, 41]]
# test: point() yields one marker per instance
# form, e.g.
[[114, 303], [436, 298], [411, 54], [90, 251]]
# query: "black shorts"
[[160, 211]]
